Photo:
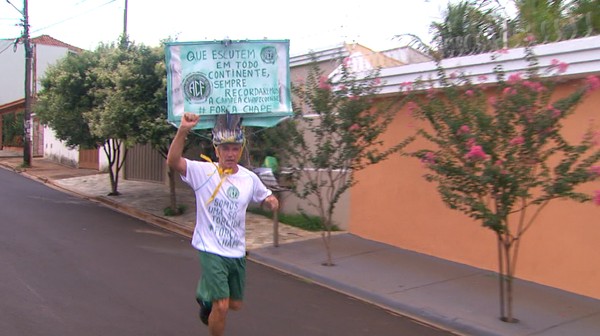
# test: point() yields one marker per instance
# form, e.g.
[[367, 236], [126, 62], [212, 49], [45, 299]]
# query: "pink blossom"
[[324, 83], [593, 82], [535, 86], [476, 153], [555, 112], [597, 197], [469, 93], [464, 129], [502, 51], [515, 78], [471, 142], [412, 107], [595, 170], [354, 127], [453, 75], [430, 93], [377, 81], [529, 38], [516, 141], [509, 91], [499, 162], [346, 61], [429, 158], [562, 66], [407, 85], [592, 137], [482, 78]]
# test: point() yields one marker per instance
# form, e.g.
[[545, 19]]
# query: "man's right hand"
[[189, 120]]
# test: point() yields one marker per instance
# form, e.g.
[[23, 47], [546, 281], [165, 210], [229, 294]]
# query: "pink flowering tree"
[[337, 134], [498, 154]]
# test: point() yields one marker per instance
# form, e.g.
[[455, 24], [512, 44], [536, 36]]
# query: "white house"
[[45, 52]]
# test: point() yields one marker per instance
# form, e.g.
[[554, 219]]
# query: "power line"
[[74, 16], [8, 46], [18, 10]]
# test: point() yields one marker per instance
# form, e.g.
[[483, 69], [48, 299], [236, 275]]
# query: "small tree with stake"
[[343, 137], [501, 158]]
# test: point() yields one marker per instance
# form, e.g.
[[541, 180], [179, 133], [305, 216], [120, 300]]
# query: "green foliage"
[[112, 97], [180, 210], [130, 90], [66, 95], [341, 136], [12, 129], [586, 15], [468, 27], [302, 220], [496, 157]]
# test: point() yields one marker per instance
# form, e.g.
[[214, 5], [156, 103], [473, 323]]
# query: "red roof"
[[48, 40]]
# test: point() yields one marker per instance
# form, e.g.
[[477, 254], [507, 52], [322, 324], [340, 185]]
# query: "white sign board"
[[247, 77]]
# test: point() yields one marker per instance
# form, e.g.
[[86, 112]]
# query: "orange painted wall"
[[392, 203]]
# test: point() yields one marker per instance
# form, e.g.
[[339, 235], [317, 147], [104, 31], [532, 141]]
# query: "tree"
[[542, 19], [343, 138], [103, 98], [501, 158], [586, 17], [129, 91], [159, 133], [66, 95], [467, 27]]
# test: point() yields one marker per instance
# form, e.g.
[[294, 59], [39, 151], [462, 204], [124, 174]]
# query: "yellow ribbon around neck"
[[223, 173]]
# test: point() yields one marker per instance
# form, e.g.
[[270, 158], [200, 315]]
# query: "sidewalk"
[[451, 296]]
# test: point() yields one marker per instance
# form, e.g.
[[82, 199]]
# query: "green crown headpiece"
[[228, 129]]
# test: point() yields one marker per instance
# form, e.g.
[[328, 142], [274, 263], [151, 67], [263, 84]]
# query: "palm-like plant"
[[468, 27]]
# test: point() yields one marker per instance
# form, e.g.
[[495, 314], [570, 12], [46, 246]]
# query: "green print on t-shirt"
[[226, 222]]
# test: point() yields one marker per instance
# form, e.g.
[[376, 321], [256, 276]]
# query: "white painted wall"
[[12, 68], [57, 151], [45, 56], [12, 72]]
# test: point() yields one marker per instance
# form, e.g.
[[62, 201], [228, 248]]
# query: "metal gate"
[[144, 163], [89, 158]]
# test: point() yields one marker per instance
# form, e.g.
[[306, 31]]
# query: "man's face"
[[228, 154]]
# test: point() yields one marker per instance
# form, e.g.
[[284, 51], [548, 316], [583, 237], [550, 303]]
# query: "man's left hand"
[[272, 202]]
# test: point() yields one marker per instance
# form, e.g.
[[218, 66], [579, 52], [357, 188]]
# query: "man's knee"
[[221, 306], [235, 305]]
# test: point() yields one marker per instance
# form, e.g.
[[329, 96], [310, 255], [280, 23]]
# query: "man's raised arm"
[[175, 158]]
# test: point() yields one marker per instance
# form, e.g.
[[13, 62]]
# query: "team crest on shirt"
[[233, 192]]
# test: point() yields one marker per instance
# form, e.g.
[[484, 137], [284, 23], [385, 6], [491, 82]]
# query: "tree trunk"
[[172, 192], [326, 235], [506, 278]]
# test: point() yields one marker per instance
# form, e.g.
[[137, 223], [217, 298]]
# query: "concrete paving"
[[451, 296]]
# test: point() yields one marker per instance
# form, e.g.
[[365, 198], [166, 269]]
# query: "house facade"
[[392, 203], [45, 52]]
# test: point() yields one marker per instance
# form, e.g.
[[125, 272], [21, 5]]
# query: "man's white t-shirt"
[[221, 224]]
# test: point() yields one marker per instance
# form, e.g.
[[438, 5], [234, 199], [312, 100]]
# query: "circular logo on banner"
[[233, 192], [196, 87], [268, 55]]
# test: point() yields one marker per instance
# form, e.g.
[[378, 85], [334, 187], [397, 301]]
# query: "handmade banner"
[[245, 77]]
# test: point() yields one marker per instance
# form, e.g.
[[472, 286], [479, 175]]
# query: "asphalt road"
[[71, 267]]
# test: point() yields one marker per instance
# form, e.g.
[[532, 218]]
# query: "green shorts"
[[222, 278]]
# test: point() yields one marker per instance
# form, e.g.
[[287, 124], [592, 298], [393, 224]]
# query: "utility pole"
[[27, 115], [124, 37], [125, 20]]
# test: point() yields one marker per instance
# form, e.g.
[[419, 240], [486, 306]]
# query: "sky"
[[310, 25]]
